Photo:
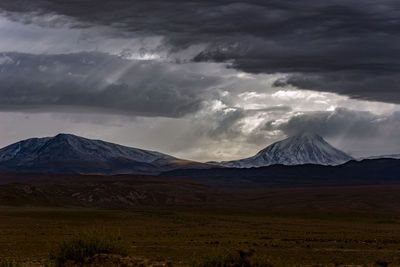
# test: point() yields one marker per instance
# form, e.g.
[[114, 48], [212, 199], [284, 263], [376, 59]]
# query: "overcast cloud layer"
[[335, 45], [207, 80]]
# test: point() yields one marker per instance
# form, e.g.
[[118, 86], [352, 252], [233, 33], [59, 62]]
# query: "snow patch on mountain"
[[392, 156], [67, 146]]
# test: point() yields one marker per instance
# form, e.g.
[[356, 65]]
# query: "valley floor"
[[185, 234]]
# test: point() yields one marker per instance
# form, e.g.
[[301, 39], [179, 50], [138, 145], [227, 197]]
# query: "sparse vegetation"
[[9, 263], [80, 247], [240, 258], [182, 235]]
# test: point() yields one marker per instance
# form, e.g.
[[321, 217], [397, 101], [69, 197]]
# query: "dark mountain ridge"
[[353, 172]]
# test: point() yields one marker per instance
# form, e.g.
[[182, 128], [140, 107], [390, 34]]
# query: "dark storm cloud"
[[349, 47], [381, 85], [99, 82]]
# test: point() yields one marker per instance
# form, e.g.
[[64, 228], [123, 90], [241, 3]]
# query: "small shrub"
[[85, 245], [382, 263]]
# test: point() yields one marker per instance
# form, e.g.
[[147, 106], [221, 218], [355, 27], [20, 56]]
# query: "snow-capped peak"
[[303, 148]]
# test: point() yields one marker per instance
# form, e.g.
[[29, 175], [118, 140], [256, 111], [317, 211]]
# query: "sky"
[[200, 79]]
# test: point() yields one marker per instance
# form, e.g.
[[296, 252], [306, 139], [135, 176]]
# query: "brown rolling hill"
[[133, 191], [118, 191]]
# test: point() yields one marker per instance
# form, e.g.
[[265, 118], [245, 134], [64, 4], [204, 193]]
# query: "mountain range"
[[71, 154]]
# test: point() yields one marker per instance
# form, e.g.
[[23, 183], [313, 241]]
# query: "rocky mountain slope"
[[66, 153]]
